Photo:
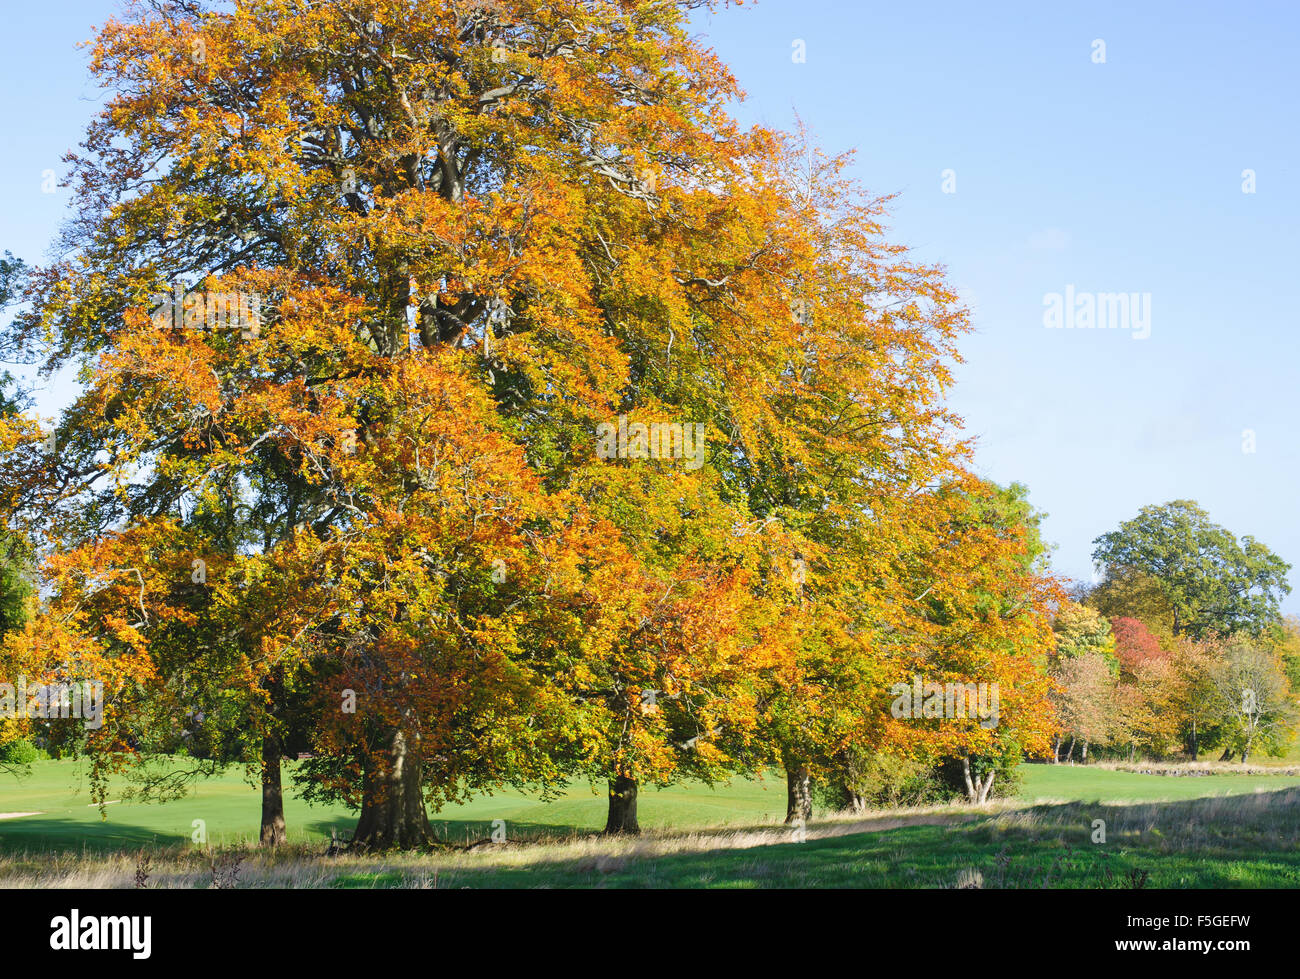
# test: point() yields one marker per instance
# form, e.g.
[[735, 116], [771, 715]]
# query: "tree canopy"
[[1212, 582]]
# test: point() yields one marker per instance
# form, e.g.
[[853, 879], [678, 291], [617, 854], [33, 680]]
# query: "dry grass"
[[1261, 820]]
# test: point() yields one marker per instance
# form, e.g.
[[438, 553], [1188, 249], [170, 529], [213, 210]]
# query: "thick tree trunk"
[[273, 833], [1056, 751], [392, 802], [622, 806], [1085, 752], [798, 794], [1069, 754], [1227, 754]]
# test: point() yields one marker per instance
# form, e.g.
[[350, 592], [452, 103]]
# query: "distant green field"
[[229, 806], [1077, 783]]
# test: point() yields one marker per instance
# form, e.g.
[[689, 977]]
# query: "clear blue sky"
[[1117, 177]]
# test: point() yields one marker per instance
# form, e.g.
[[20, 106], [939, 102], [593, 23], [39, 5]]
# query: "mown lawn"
[[1216, 830], [1089, 784], [230, 808]]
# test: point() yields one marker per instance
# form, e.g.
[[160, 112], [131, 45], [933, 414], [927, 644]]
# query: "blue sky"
[[1122, 176]]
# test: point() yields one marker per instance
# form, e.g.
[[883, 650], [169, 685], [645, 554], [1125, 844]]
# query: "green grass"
[[230, 808], [1216, 830], [1077, 782]]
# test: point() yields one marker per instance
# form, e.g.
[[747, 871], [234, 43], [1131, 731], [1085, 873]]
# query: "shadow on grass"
[[1222, 842], [1227, 841], [55, 833]]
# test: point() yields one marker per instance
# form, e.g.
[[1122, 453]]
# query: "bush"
[[883, 782], [1005, 784], [20, 752]]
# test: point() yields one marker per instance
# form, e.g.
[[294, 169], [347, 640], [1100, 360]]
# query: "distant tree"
[[1213, 582], [1252, 700], [1193, 661], [1135, 645], [1085, 701], [1147, 717], [1286, 643], [988, 594], [1080, 630], [1129, 594]]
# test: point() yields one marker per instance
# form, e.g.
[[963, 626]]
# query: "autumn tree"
[[1147, 708], [1125, 593], [1081, 631], [1285, 643], [1135, 644], [982, 581], [850, 434], [354, 286], [15, 588], [1086, 701]]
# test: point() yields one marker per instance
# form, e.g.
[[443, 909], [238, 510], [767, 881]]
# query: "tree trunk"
[[622, 806], [1227, 754], [977, 789], [1085, 753], [851, 801], [392, 801], [1056, 751], [798, 794], [1069, 755], [273, 832], [1196, 747]]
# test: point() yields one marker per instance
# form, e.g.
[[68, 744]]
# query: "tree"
[[851, 434], [1135, 645], [16, 594], [1081, 631], [458, 239], [980, 578], [15, 587], [1125, 593], [1211, 581], [1285, 643], [1086, 701], [327, 169], [1252, 700]]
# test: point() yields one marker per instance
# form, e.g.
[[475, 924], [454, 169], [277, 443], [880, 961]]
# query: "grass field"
[[1209, 830]]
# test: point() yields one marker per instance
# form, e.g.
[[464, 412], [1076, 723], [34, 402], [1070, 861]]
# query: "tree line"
[[368, 524]]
